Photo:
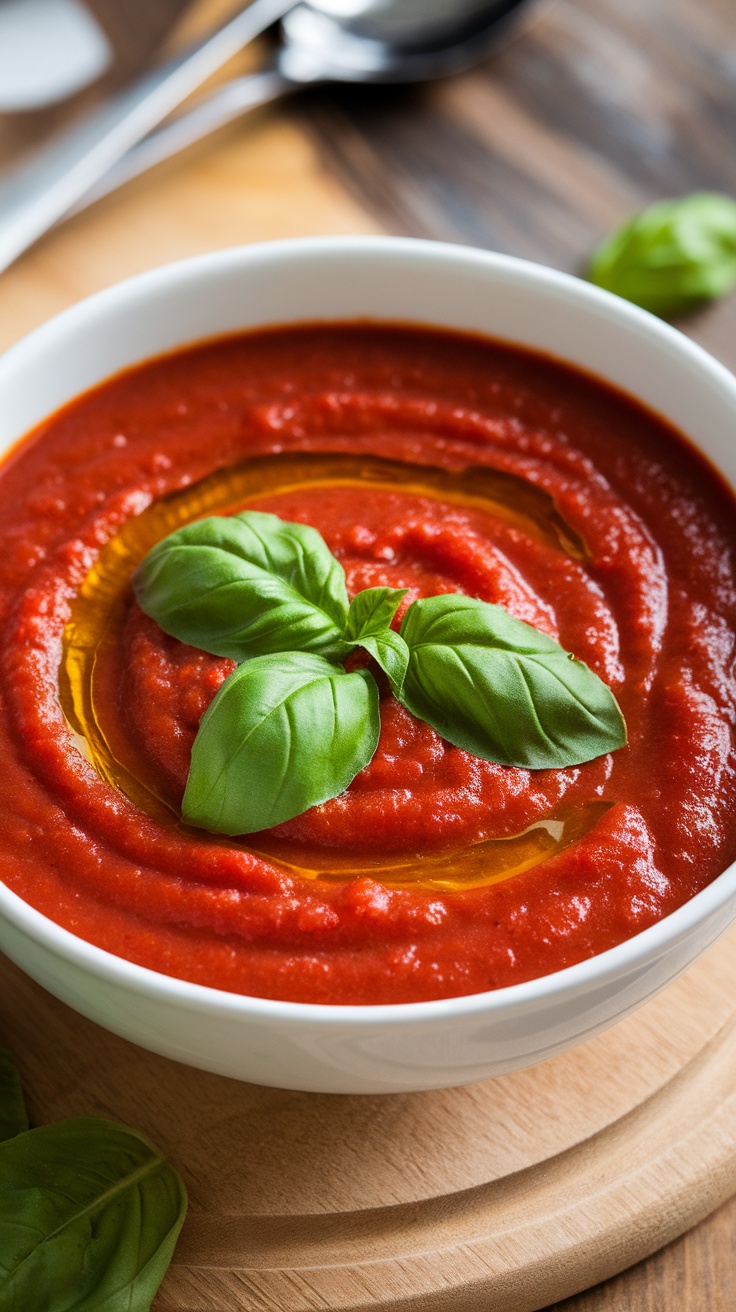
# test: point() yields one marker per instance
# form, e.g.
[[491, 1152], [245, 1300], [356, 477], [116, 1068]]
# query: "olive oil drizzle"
[[99, 611]]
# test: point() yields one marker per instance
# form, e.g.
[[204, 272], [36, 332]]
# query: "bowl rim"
[[638, 951]]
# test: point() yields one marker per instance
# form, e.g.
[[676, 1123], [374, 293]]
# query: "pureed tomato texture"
[[432, 462]]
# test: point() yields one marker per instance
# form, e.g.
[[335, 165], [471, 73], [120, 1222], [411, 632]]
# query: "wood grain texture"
[[599, 107]]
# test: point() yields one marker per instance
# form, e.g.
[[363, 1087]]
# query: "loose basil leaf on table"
[[89, 1216], [502, 690], [13, 1115], [246, 585], [371, 611], [392, 654], [673, 256], [284, 732]]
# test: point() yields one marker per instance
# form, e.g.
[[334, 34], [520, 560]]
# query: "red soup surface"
[[430, 461]]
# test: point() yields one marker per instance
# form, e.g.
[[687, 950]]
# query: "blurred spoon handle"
[[212, 112], [41, 191]]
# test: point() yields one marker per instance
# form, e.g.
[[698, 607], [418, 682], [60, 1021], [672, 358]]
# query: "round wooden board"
[[506, 1195]]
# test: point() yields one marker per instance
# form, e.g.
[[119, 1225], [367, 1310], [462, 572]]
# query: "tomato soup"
[[430, 461]]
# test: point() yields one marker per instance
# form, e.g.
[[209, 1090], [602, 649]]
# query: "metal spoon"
[[371, 40], [386, 43], [40, 192]]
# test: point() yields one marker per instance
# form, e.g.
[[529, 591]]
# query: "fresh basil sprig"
[[673, 256], [90, 1213], [502, 690], [284, 732], [290, 728]]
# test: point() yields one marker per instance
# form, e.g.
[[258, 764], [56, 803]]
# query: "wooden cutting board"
[[506, 1195]]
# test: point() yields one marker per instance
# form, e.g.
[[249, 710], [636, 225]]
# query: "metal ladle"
[[324, 40]]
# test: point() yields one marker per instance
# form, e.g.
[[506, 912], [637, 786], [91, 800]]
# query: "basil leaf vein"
[[246, 585], [284, 733], [89, 1216], [501, 689]]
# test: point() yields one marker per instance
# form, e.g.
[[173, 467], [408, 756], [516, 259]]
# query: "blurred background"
[[588, 111], [570, 116]]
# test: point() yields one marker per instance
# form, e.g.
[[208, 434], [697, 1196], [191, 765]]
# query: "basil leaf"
[[501, 689], [284, 732], [369, 617], [392, 654], [672, 256], [246, 585], [372, 611], [89, 1216], [13, 1115]]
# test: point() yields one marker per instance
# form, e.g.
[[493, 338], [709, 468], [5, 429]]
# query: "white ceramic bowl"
[[407, 1046]]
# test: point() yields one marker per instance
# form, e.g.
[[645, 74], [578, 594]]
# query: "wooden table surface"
[[597, 108]]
